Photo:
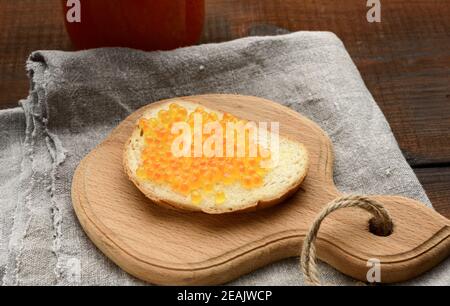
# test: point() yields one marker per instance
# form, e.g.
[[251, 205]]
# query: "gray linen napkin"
[[76, 98]]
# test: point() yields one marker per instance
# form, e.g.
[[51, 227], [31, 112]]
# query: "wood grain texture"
[[437, 182], [170, 247], [26, 26], [404, 60]]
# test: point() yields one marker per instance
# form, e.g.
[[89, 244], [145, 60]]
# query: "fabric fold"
[[77, 98]]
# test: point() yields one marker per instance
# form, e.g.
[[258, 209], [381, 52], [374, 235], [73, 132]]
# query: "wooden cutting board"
[[164, 246]]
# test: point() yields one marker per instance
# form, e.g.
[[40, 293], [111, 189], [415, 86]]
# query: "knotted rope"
[[381, 225]]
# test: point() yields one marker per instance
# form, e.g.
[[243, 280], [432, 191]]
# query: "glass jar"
[[140, 24]]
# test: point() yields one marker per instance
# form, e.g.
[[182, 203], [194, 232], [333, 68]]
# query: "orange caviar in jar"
[[198, 177]]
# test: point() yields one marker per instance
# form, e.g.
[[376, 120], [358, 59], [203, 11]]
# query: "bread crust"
[[258, 205]]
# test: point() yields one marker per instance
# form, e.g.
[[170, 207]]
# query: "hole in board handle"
[[380, 228]]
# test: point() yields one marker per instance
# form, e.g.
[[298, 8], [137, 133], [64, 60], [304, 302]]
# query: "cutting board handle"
[[420, 238]]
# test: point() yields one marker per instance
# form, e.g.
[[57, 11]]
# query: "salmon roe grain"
[[197, 177]]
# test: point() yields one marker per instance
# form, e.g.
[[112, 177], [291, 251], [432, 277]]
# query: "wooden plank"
[[26, 25], [436, 182], [404, 60]]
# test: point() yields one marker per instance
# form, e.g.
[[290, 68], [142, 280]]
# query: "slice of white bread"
[[281, 181]]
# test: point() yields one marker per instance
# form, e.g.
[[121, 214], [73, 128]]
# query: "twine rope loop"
[[381, 224]]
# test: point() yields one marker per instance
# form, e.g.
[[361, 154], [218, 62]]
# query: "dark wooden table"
[[404, 60]]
